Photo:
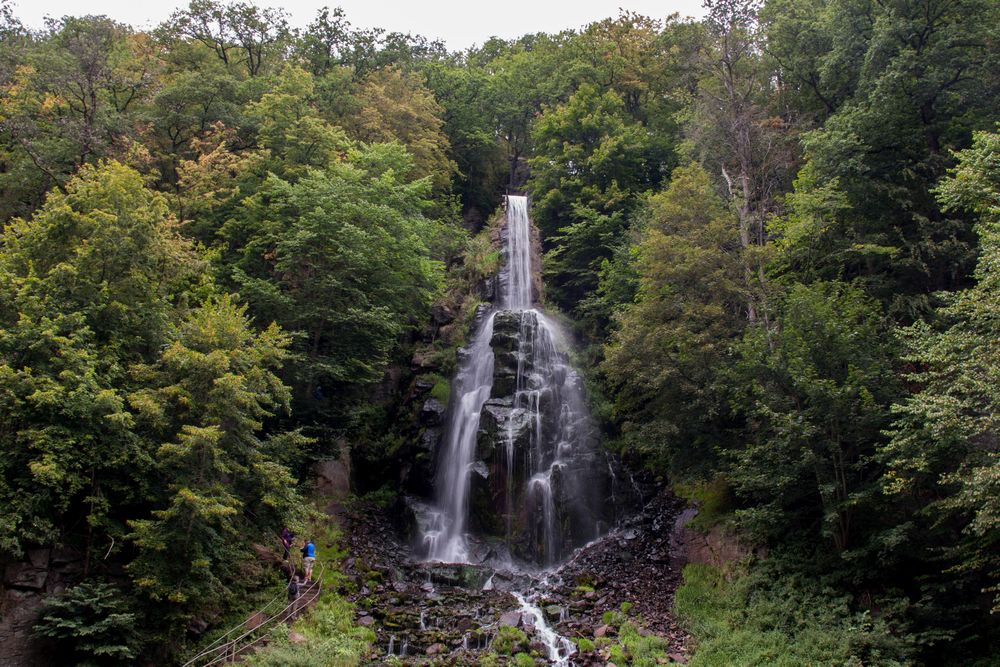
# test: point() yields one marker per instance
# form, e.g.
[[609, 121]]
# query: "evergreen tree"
[[206, 399]]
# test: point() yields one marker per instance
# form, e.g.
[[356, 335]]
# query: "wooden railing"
[[242, 638]]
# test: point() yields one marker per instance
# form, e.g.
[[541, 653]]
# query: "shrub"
[[508, 639], [332, 639], [441, 390], [91, 624], [642, 651]]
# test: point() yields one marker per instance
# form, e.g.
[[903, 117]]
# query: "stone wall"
[[26, 584]]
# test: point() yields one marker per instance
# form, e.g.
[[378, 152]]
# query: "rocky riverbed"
[[442, 614]]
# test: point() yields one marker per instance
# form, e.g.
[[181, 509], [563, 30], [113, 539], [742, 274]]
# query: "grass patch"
[[331, 639], [631, 647], [766, 617], [383, 497], [441, 389], [642, 651], [254, 599]]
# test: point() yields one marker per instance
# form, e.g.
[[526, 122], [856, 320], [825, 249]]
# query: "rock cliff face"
[[26, 584]]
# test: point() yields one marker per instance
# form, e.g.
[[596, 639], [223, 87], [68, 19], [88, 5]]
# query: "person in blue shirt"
[[308, 559]]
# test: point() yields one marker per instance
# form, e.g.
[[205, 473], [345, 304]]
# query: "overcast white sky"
[[459, 23]]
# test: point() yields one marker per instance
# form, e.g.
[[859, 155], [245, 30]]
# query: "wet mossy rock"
[[433, 359], [511, 343], [432, 412]]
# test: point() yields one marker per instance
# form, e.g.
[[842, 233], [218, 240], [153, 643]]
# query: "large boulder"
[[432, 412], [425, 360], [18, 644], [442, 313], [26, 585], [511, 619], [488, 289], [25, 576], [503, 448], [333, 476], [500, 424], [485, 512]]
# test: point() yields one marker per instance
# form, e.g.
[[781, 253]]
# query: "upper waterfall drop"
[[519, 293], [519, 467]]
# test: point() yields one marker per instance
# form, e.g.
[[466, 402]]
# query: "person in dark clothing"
[[286, 541], [293, 596]]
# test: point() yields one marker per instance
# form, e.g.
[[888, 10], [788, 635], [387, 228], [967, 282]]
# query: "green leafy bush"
[[441, 389], [523, 660], [642, 651]]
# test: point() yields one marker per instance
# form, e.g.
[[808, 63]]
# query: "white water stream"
[[551, 458], [445, 538], [519, 293], [558, 647]]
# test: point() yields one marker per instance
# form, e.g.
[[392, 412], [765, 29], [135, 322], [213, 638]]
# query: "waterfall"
[[519, 292], [519, 463], [446, 540]]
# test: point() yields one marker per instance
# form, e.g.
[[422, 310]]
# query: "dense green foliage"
[[215, 242], [776, 619], [340, 258], [779, 316], [777, 228]]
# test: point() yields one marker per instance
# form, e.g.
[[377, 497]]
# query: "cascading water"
[[519, 294], [519, 463], [558, 648], [445, 538]]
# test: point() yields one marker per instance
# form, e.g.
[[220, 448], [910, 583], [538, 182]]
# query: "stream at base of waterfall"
[[447, 614]]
